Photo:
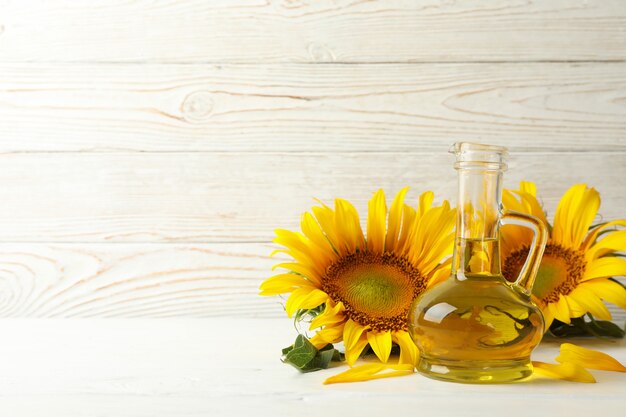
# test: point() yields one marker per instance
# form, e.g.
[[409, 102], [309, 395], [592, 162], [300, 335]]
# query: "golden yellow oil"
[[476, 327]]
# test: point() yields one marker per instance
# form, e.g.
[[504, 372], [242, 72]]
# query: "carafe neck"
[[480, 170]]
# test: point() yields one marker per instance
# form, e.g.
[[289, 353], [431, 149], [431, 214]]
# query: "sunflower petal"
[[588, 301], [408, 218], [593, 235], [325, 217], [608, 290], [331, 315], [351, 333], [408, 351], [329, 334], [283, 283], [356, 349], [376, 222], [348, 226], [566, 371], [613, 242], [589, 358], [548, 317], [425, 203], [301, 249], [370, 371], [561, 310], [575, 309], [305, 298], [528, 187], [440, 273], [313, 231], [395, 220], [609, 266], [574, 215], [380, 343], [297, 268]]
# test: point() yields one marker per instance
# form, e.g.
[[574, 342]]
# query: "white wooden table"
[[224, 367]]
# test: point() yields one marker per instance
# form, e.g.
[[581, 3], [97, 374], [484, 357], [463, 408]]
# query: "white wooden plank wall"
[[149, 148]]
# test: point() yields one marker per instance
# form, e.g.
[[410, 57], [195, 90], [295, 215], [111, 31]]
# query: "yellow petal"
[[608, 290], [432, 225], [612, 242], [561, 310], [283, 283], [305, 298], [351, 333], [589, 358], [528, 187], [440, 274], [332, 314], [575, 309], [370, 371], [408, 351], [590, 302], [441, 246], [376, 222], [299, 269], [313, 231], [609, 266], [348, 227], [301, 249], [438, 228], [425, 203], [325, 216], [593, 235], [380, 343], [329, 334], [395, 220], [356, 349], [408, 218], [567, 371], [574, 215]]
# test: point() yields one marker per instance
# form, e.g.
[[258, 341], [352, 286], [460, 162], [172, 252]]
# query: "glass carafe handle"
[[527, 275]]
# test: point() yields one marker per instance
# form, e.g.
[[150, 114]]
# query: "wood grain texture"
[[135, 280], [149, 148], [226, 367], [242, 197], [141, 280], [315, 31], [316, 108]]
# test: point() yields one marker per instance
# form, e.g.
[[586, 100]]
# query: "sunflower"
[[362, 287], [576, 268]]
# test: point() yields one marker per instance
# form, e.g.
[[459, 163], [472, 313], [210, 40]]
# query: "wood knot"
[[320, 53], [197, 106]]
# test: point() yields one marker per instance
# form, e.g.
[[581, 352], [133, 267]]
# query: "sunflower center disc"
[[375, 289], [560, 271]]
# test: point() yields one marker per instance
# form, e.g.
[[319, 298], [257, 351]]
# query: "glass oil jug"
[[476, 327]]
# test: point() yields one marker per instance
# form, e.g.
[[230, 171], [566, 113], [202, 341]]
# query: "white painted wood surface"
[[148, 149], [230, 367], [312, 31], [311, 108]]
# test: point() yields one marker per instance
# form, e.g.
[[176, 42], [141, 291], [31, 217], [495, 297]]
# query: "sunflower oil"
[[477, 327]]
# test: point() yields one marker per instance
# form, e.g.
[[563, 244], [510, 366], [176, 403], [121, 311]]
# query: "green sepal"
[[303, 355]]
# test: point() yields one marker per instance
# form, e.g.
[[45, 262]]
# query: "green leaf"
[[579, 327], [606, 328], [303, 355]]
